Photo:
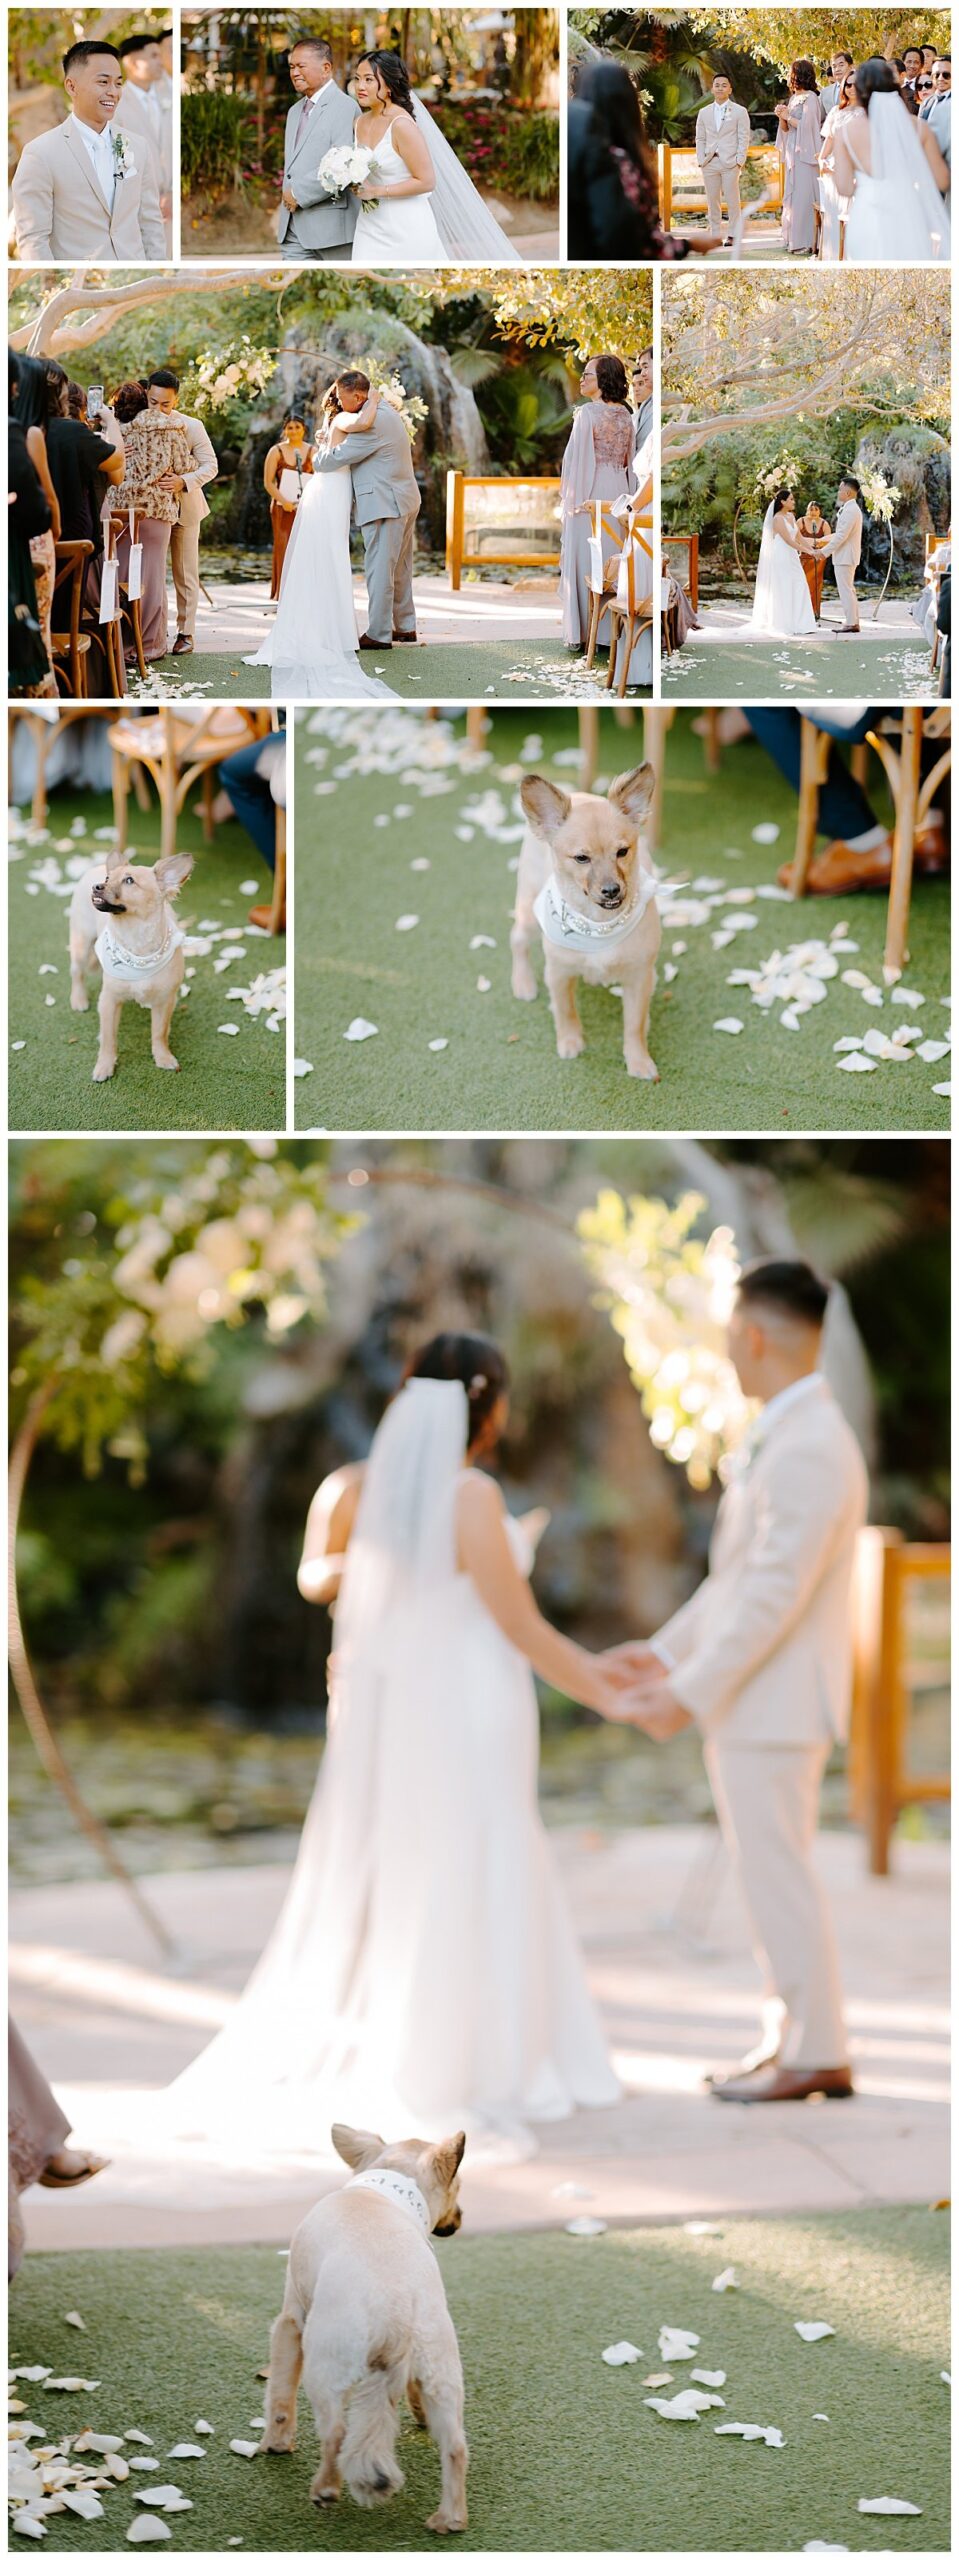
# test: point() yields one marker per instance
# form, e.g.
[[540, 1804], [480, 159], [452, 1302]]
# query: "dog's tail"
[[368, 2459]]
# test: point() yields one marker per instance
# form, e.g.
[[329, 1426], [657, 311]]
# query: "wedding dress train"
[[782, 603], [311, 646], [423, 1973]]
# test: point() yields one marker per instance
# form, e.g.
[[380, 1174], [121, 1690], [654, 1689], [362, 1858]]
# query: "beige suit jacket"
[[845, 542], [763, 1650], [133, 117], [60, 212], [730, 144], [193, 505]]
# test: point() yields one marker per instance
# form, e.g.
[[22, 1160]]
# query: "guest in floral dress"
[[157, 458]]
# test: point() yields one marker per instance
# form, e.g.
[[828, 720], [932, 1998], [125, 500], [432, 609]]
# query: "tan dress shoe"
[[776, 2084], [842, 867]]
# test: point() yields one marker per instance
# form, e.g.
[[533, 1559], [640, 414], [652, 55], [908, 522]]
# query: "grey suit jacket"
[[384, 482], [939, 117], [322, 221]]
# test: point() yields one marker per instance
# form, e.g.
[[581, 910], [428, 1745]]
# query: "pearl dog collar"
[[398, 2190], [588, 935]]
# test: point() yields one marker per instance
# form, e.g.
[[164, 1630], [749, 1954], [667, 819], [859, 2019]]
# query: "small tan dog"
[[119, 915], [586, 881], [365, 2319]]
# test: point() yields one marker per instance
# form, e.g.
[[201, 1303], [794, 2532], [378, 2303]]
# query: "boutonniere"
[[123, 160]]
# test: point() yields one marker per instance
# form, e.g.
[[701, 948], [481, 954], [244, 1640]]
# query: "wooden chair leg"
[[813, 759], [655, 724], [141, 787], [630, 628], [588, 745], [595, 614], [121, 787], [278, 903], [713, 743], [903, 845], [614, 620], [475, 724]]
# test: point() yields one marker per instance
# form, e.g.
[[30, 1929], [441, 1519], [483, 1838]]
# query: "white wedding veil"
[[763, 615], [900, 166], [471, 234]]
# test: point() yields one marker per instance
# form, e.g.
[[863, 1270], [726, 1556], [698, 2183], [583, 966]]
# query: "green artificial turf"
[[442, 671], [235, 1082], [500, 1069], [564, 2455], [892, 670]]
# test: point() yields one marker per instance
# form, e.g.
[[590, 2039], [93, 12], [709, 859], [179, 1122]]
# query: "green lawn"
[[356, 876], [894, 669], [225, 1082], [564, 2455], [442, 671]]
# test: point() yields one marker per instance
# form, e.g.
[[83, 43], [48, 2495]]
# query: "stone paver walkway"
[[667, 1951]]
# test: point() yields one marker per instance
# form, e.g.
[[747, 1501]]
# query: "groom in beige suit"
[[844, 546], [722, 141], [88, 191], [760, 1659]]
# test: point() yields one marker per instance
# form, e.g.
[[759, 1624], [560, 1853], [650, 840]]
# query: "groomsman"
[[140, 113], [722, 141], [761, 1659], [162, 393]]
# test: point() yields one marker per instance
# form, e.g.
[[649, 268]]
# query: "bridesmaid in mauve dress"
[[800, 135], [37, 2132], [598, 463]]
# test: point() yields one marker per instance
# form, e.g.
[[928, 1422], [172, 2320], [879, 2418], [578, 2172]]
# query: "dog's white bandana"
[[585, 937], [398, 2190], [134, 964]]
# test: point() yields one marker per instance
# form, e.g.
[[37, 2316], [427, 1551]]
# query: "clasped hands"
[[641, 1693]]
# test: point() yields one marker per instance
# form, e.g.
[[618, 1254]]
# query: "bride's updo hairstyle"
[[331, 404], [393, 76], [478, 1365], [611, 381], [873, 79], [779, 500]]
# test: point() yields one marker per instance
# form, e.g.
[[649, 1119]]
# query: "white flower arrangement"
[[345, 165]]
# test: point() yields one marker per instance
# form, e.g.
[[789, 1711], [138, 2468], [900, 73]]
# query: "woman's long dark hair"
[[804, 74], [476, 1362], [611, 381], [609, 92], [393, 75], [874, 78], [780, 499], [32, 403]]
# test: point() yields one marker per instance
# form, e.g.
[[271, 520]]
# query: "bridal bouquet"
[[347, 165]]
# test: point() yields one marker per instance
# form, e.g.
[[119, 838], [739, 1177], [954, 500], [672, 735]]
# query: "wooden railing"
[[881, 1782]]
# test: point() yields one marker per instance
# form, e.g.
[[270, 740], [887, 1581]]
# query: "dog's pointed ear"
[[171, 871], [359, 2150], [546, 806], [633, 792], [447, 2157]]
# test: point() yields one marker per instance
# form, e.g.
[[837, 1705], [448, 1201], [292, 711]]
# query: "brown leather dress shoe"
[[740, 2071], [367, 643], [182, 646], [774, 2084], [262, 917], [412, 636], [842, 867]]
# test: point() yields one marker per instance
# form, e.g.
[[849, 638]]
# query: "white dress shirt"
[[719, 113], [100, 147]]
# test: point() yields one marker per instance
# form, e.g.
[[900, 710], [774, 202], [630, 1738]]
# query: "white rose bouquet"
[[347, 165]]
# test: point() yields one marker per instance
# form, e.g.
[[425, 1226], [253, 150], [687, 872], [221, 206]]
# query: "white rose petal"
[[624, 2353], [202, 2427], [360, 1030], [704, 2230], [910, 996], [482, 942], [727, 2282], [302, 1067], [421, 863], [932, 1051], [713, 2381], [185, 2453], [766, 833], [728, 1023], [83, 2503], [238, 2444], [887, 2507], [676, 2346], [30, 2525], [825, 2546], [144, 2462], [406, 924], [90, 2443], [585, 2227], [821, 2418], [810, 2330], [230, 1029], [483, 986], [135, 2435], [677, 2408], [857, 1065], [149, 2529], [947, 2378], [752, 2435], [248, 888], [944, 1089]]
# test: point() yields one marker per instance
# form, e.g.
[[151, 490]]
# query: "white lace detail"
[[570, 932], [397, 2190], [134, 964]]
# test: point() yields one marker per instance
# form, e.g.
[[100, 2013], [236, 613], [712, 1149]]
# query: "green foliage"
[[218, 146], [504, 147], [38, 39]]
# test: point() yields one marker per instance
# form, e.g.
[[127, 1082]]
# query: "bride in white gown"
[[423, 1970], [782, 603], [890, 163], [423, 209], [312, 645]]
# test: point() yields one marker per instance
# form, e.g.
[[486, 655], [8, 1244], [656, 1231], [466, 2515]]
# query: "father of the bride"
[[386, 503], [87, 190], [312, 223], [760, 1658]]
